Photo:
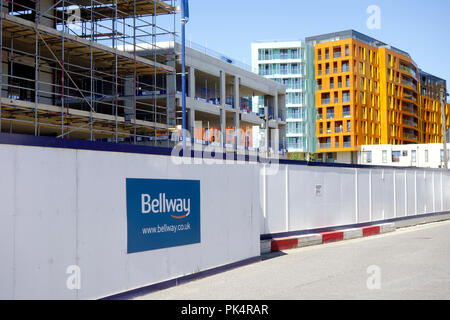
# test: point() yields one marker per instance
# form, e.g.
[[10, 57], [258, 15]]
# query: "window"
[[413, 155], [345, 67], [346, 111], [384, 156], [367, 156], [346, 96], [395, 156]]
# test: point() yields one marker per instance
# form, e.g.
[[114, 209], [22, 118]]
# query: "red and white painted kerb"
[[293, 242]]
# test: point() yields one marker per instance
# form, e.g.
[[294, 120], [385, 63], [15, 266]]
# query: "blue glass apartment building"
[[292, 64]]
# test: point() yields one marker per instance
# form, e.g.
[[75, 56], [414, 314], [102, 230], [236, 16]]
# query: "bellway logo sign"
[[162, 213]]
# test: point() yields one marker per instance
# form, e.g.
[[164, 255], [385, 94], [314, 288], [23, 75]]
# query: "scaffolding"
[[71, 69]]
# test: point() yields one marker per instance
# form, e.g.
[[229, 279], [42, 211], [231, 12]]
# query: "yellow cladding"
[[375, 99]]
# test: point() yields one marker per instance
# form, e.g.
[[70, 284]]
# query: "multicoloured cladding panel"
[[368, 95]]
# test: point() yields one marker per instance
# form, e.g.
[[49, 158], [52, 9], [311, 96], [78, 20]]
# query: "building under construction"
[[65, 72]]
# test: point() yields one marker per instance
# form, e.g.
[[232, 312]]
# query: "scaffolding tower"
[[70, 69]]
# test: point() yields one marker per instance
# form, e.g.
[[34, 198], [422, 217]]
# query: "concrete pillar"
[[237, 106], [191, 119], [223, 126], [237, 132], [236, 93], [223, 93], [275, 105], [191, 82], [129, 99], [171, 90]]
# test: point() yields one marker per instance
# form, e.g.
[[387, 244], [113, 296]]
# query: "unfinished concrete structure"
[[219, 102], [64, 74], [109, 70]]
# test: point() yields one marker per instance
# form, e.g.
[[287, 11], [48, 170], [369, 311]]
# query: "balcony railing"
[[408, 69], [410, 123], [330, 115], [346, 114], [326, 101], [409, 109], [325, 145], [345, 68], [409, 83], [409, 97], [345, 98], [338, 130], [347, 144], [337, 55], [410, 136]]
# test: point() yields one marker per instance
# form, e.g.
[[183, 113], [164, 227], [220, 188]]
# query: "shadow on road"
[[272, 255]]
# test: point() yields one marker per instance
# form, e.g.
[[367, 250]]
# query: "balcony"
[[408, 70], [409, 83], [345, 98], [326, 101], [330, 115], [410, 123], [409, 109], [409, 97], [347, 144], [325, 145], [337, 55], [346, 114], [410, 136], [338, 129]]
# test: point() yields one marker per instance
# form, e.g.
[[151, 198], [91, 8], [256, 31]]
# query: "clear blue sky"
[[422, 28]]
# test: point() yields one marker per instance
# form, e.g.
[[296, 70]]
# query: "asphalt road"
[[410, 263]]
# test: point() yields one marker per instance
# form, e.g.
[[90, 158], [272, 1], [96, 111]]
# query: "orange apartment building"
[[371, 93]]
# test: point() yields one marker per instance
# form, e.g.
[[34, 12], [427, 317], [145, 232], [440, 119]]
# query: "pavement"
[[410, 263]]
